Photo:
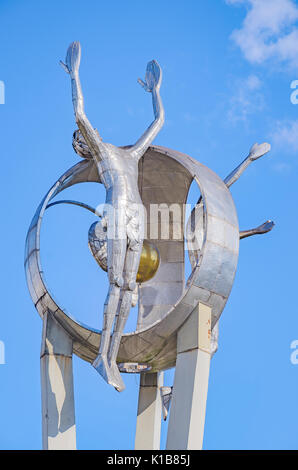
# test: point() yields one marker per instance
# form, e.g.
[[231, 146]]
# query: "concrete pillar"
[[58, 414], [149, 412], [187, 416]]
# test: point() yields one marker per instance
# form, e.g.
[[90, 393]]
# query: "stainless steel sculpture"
[[124, 224], [136, 178], [194, 224]]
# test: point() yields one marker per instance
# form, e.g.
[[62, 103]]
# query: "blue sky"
[[227, 67]]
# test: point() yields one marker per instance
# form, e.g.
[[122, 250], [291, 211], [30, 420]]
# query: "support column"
[[187, 416], [58, 414], [149, 412]]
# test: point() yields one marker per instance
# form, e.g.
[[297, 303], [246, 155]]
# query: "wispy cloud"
[[189, 117], [269, 31], [285, 135], [246, 100], [281, 167]]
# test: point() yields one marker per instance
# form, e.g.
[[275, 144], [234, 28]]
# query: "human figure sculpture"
[[123, 211]]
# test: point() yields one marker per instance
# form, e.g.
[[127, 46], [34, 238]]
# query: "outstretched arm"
[[152, 85], [255, 152], [73, 58]]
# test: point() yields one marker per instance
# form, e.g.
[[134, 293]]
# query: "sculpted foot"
[[110, 373], [116, 379], [258, 150], [266, 227], [102, 367]]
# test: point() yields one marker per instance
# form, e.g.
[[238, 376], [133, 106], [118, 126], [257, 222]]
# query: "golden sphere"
[[149, 262]]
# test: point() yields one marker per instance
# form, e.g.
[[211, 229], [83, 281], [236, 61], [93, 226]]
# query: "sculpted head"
[[80, 146]]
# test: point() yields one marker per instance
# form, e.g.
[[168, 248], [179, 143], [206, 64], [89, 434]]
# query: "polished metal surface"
[[194, 227], [166, 397], [260, 230], [149, 260], [255, 152], [133, 367], [140, 179], [97, 241], [123, 218], [165, 301]]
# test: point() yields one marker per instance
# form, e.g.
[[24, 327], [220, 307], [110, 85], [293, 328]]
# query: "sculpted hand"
[[153, 77], [258, 150], [73, 59]]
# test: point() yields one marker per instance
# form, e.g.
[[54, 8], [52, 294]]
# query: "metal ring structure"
[[155, 340]]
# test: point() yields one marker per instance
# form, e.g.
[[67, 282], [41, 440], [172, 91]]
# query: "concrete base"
[[149, 412], [187, 416], [58, 414]]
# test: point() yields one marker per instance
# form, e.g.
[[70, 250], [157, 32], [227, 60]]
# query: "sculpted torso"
[[119, 173]]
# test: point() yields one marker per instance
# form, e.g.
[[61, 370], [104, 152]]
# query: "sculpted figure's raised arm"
[[152, 84], [91, 136]]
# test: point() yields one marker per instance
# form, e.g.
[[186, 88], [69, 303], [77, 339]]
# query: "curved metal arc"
[[75, 203], [86, 339], [83, 171]]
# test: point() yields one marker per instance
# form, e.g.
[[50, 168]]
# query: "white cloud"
[[269, 31], [285, 136], [246, 100], [281, 167], [189, 117], [253, 82]]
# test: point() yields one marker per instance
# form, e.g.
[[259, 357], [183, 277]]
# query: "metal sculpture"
[[194, 227], [137, 177], [122, 217]]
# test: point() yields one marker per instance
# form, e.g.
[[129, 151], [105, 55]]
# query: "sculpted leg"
[[116, 257], [110, 307], [264, 228], [131, 268], [256, 151], [109, 315]]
